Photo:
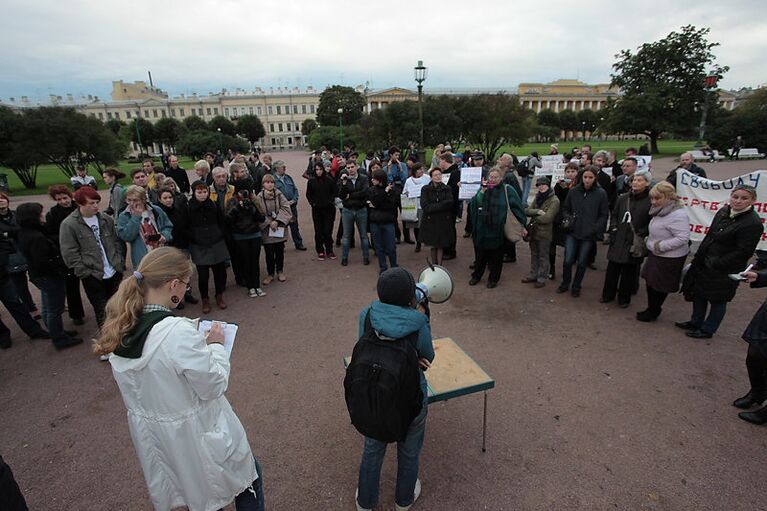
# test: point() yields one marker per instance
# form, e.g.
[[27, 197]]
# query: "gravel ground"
[[591, 410]]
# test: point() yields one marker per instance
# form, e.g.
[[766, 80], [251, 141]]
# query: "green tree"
[[168, 131], [662, 83], [329, 136], [308, 125], [493, 120], [548, 117], [587, 121], [568, 121], [194, 123], [250, 127], [143, 129], [115, 125], [196, 143], [749, 120], [338, 96], [225, 125], [441, 121], [19, 146]]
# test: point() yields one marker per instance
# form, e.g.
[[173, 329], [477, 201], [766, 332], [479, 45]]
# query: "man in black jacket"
[[178, 174], [451, 169], [353, 191], [687, 163]]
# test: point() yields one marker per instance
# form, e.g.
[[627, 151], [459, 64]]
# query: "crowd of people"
[[243, 205]]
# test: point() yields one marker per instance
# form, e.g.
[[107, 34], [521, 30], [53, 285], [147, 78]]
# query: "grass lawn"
[[48, 175]]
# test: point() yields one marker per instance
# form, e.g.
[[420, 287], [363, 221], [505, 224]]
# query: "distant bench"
[[698, 155], [750, 153]]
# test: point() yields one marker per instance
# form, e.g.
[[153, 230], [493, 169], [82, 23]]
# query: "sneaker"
[[72, 341], [104, 358], [416, 494], [252, 293], [344, 262], [366, 261], [281, 277], [321, 256], [332, 256], [260, 292], [267, 280]]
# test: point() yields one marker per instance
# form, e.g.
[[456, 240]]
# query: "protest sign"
[[548, 164], [704, 197]]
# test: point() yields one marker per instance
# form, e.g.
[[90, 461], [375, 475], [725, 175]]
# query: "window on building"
[[146, 113], [128, 114], [312, 108], [287, 109], [226, 112], [109, 115], [290, 140], [279, 110], [295, 109], [101, 116], [181, 112], [274, 141], [162, 112], [303, 109], [215, 110], [271, 127], [279, 127], [208, 109], [250, 110], [269, 109], [173, 112], [117, 115], [154, 113], [258, 110]]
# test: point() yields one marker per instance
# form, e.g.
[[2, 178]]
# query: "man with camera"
[[396, 172], [353, 192]]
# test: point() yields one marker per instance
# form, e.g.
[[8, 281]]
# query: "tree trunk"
[[653, 142]]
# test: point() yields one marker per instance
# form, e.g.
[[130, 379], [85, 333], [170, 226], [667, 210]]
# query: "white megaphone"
[[438, 281]]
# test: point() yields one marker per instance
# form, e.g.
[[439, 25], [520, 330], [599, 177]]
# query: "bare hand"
[[424, 363], [274, 225], [541, 212], [750, 276], [162, 240], [216, 333], [136, 209], [524, 232]]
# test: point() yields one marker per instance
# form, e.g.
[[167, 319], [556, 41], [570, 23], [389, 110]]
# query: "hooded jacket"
[[589, 207], [396, 321]]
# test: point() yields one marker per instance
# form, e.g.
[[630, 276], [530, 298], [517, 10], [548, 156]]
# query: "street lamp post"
[[420, 76], [341, 128], [583, 130], [220, 142], [709, 85]]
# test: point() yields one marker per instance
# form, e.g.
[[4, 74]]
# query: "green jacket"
[[544, 224], [81, 251], [488, 233]]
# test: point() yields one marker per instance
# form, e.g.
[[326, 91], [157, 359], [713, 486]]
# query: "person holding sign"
[[489, 208], [191, 446], [725, 251], [687, 163], [276, 208]]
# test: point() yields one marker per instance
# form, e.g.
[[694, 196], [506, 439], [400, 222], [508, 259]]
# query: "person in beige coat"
[[276, 208]]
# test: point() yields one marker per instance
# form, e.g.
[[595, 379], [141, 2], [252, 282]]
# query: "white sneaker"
[[252, 293], [104, 358], [416, 493], [356, 502], [260, 292]]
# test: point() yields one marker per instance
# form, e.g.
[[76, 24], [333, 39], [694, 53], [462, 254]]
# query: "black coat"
[[621, 235], [321, 191], [206, 223], [608, 185], [589, 207], [726, 249], [42, 254], [181, 178], [455, 178], [698, 171], [756, 331], [178, 214], [438, 216], [53, 219], [384, 205], [244, 218], [354, 195]]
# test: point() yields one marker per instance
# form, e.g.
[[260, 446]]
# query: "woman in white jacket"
[[191, 446]]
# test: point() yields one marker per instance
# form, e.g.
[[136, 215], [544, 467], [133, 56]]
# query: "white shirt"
[[93, 223], [413, 187]]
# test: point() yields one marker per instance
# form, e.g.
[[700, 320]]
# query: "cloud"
[[204, 45]]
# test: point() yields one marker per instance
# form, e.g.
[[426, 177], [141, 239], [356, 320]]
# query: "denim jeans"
[[711, 323], [17, 309], [383, 239], [527, 183], [350, 217], [575, 251], [53, 291], [373, 453]]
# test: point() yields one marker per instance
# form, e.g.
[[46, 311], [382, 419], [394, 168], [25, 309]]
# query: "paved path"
[[592, 410]]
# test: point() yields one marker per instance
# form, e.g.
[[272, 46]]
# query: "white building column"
[[539, 106], [548, 103], [556, 106]]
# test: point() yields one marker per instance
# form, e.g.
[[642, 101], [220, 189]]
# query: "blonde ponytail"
[[126, 305]]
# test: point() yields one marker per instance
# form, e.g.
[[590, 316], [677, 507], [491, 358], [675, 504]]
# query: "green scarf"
[[133, 343]]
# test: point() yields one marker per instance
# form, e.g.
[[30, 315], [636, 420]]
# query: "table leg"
[[484, 424]]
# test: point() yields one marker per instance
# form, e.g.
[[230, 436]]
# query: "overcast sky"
[[80, 46]]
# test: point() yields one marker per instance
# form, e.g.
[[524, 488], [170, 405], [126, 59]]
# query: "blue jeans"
[[349, 217], [575, 251], [383, 239], [53, 291], [527, 183], [373, 453], [298, 241], [711, 323]]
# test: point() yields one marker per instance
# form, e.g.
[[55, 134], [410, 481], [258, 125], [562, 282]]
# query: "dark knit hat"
[[542, 180], [396, 286]]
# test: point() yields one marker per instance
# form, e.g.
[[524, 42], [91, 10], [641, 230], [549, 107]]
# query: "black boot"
[[749, 400], [758, 417]]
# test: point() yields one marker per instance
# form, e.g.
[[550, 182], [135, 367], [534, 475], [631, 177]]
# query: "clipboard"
[[230, 332]]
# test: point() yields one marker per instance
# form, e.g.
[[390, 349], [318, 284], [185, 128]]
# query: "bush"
[[196, 143]]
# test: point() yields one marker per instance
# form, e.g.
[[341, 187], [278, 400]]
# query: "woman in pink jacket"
[[668, 246]]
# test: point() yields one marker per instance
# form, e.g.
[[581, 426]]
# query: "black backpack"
[[382, 385], [523, 168]]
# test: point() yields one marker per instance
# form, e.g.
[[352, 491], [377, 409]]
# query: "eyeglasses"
[[186, 283]]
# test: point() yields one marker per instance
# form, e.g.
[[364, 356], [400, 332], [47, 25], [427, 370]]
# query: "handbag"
[[512, 229], [638, 246], [409, 211]]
